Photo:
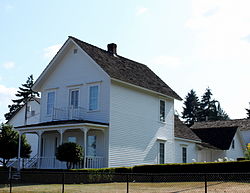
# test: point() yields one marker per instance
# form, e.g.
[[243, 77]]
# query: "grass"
[[180, 187]]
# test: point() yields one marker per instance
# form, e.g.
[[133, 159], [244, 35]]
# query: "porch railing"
[[53, 163], [68, 113]]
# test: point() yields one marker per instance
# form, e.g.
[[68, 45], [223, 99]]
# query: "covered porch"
[[92, 136]]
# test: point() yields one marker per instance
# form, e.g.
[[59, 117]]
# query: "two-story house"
[[117, 109]]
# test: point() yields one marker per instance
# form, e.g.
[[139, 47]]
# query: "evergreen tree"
[[210, 109], [9, 139], [207, 109], [191, 108], [24, 94], [248, 112]]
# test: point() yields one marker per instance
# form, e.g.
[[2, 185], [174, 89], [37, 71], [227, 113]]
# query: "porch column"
[[39, 133], [19, 150], [85, 132], [61, 131]]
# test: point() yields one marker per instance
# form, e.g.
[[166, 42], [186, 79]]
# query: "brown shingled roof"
[[217, 133], [182, 131], [126, 70], [242, 124]]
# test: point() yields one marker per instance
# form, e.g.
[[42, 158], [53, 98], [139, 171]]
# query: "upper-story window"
[[50, 102], [162, 110], [93, 97], [74, 98]]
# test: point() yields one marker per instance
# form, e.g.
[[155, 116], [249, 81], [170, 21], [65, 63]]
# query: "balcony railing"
[[68, 113]]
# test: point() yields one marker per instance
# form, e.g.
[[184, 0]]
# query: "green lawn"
[[182, 187]]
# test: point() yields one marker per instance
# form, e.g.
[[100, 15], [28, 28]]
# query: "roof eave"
[[145, 89]]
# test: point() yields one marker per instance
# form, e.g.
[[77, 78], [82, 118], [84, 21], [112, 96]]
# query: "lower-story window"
[[184, 155], [91, 143], [72, 139], [161, 153]]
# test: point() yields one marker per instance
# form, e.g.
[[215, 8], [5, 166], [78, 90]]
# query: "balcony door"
[[74, 104]]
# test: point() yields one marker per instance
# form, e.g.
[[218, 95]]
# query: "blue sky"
[[190, 44]]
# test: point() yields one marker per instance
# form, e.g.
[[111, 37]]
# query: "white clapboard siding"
[[135, 127], [77, 71]]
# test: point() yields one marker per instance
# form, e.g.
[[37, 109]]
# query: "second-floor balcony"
[[68, 113]]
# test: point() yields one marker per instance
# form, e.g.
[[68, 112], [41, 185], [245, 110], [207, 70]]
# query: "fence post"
[[10, 179], [127, 184], [63, 179], [10, 182], [205, 177]]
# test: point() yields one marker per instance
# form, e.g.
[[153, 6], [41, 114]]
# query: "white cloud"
[[51, 51], [141, 10], [6, 94], [8, 65], [166, 61]]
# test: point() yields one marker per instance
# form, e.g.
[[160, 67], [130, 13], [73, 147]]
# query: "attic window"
[[75, 50]]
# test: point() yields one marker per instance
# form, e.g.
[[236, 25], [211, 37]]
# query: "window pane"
[[162, 110], [91, 145], [72, 139], [74, 98], [50, 102], [184, 155], [93, 98], [161, 153]]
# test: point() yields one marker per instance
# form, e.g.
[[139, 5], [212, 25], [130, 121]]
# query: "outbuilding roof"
[[183, 131], [216, 133]]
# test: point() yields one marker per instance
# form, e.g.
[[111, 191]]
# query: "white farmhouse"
[[25, 115], [117, 109]]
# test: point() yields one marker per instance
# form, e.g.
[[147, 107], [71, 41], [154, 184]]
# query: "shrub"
[[71, 153]]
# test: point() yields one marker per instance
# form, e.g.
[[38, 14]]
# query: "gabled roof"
[[126, 70], [30, 99], [183, 131], [215, 134], [242, 124]]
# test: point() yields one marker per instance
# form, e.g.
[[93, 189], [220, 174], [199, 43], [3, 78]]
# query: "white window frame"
[[164, 118], [47, 97], [182, 154], [159, 152], [98, 97], [70, 94]]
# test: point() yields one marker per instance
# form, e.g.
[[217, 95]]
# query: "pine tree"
[[248, 113], [210, 109], [24, 94], [191, 108]]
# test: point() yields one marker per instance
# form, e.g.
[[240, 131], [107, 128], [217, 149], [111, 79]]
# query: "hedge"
[[198, 167]]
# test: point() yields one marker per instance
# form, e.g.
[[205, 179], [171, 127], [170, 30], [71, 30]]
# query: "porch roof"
[[64, 122]]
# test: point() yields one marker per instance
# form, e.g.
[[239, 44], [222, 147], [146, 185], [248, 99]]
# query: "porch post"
[[19, 150], [61, 131], [39, 133], [85, 132]]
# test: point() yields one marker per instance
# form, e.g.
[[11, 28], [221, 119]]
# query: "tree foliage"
[[248, 113], [191, 108], [206, 109], [71, 153], [23, 95], [9, 139]]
